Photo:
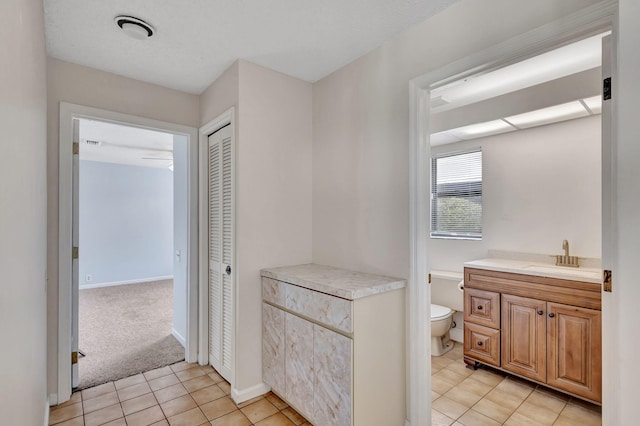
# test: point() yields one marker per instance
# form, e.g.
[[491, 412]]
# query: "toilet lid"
[[438, 311]]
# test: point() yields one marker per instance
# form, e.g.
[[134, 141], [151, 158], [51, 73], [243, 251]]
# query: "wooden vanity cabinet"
[[549, 330]]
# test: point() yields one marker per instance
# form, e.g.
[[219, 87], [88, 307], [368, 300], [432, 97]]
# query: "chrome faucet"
[[566, 260]]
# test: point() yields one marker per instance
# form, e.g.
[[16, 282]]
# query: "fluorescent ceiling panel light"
[[443, 138], [549, 115], [594, 104], [482, 129], [570, 59]]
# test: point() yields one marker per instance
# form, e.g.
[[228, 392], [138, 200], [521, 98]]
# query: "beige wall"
[[23, 396], [273, 204], [76, 84], [361, 129]]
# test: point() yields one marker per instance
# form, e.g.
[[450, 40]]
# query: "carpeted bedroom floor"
[[125, 330]]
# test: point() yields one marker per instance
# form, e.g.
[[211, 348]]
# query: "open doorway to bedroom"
[[132, 234]]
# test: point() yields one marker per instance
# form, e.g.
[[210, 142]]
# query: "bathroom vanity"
[[333, 344], [536, 321]]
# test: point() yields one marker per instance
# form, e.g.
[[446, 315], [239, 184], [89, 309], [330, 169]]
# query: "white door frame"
[[224, 119], [68, 112], [590, 20]]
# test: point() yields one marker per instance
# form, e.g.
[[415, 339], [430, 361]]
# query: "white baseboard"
[[46, 411], [53, 399], [114, 283], [179, 337], [243, 395]]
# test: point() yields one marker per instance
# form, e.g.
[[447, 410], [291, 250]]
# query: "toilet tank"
[[445, 291]]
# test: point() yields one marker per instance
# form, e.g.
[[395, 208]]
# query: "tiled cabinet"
[[545, 329], [330, 357]]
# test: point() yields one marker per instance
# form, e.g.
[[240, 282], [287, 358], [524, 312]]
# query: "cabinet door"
[[299, 364], [575, 350], [333, 373], [524, 340], [273, 348]]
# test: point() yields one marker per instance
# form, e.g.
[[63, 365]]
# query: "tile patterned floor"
[[486, 397], [178, 395]]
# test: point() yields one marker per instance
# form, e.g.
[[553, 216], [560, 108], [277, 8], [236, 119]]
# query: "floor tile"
[[166, 394], [133, 391], [278, 419], [575, 415], [178, 405], [439, 419], [449, 407], [103, 415], [145, 417], [76, 421], [585, 404], [181, 366], [138, 403], [515, 388], [105, 400], [163, 382], [449, 376], [259, 410], [293, 415], [161, 423], [250, 401], [474, 386], [546, 401], [235, 418], [119, 422], [540, 414], [193, 417], [207, 394], [198, 383], [473, 418], [216, 377], [463, 396], [488, 377], [98, 390], [276, 401], [189, 374], [75, 398], [129, 381], [225, 386], [518, 419], [439, 385], [504, 398], [496, 411], [218, 408], [435, 395], [60, 414], [158, 372], [460, 368]]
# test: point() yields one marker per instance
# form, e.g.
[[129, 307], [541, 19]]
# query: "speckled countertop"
[[337, 282], [590, 275]]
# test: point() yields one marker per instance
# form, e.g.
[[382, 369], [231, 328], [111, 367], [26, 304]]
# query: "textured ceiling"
[[196, 40]]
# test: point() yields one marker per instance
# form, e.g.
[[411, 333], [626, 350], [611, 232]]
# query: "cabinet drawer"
[[323, 308], [273, 291], [482, 343], [482, 307]]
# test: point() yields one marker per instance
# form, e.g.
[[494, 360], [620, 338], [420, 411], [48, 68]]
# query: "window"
[[456, 195]]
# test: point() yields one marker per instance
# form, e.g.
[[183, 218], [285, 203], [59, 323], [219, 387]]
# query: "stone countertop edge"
[[519, 267], [343, 283]]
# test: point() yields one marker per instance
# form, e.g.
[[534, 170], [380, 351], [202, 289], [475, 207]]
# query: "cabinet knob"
[[551, 315], [540, 313], [479, 307], [479, 343]]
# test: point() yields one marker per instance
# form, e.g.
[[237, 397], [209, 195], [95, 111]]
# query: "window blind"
[[456, 195]]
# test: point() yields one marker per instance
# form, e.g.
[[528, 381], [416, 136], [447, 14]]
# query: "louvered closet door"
[[221, 241]]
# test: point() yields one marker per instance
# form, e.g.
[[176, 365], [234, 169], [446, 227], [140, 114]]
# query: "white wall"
[[23, 396], [180, 236], [361, 129], [126, 223], [540, 186], [87, 86], [273, 204]]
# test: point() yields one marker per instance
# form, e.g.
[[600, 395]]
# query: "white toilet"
[[441, 320]]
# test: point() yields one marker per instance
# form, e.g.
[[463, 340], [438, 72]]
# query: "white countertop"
[[590, 275], [337, 282]]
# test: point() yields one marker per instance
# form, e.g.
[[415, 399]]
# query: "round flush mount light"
[[134, 27]]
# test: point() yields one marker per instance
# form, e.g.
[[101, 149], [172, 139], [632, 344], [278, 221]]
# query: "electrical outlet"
[[88, 278]]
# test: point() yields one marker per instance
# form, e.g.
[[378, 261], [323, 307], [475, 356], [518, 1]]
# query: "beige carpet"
[[125, 330]]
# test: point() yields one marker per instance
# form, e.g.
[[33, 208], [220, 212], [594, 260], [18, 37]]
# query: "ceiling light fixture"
[[134, 27], [549, 115]]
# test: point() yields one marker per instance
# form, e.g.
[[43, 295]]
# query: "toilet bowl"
[[441, 320]]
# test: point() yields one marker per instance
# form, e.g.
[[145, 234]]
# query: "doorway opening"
[[115, 264], [132, 233], [586, 23]]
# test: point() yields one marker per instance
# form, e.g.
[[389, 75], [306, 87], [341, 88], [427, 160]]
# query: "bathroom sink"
[[562, 270]]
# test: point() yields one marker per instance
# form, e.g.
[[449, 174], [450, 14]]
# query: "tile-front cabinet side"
[[273, 326]]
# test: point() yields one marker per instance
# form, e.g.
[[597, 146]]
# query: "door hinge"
[[76, 148], [429, 278], [606, 89], [75, 252], [607, 281], [74, 357]]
